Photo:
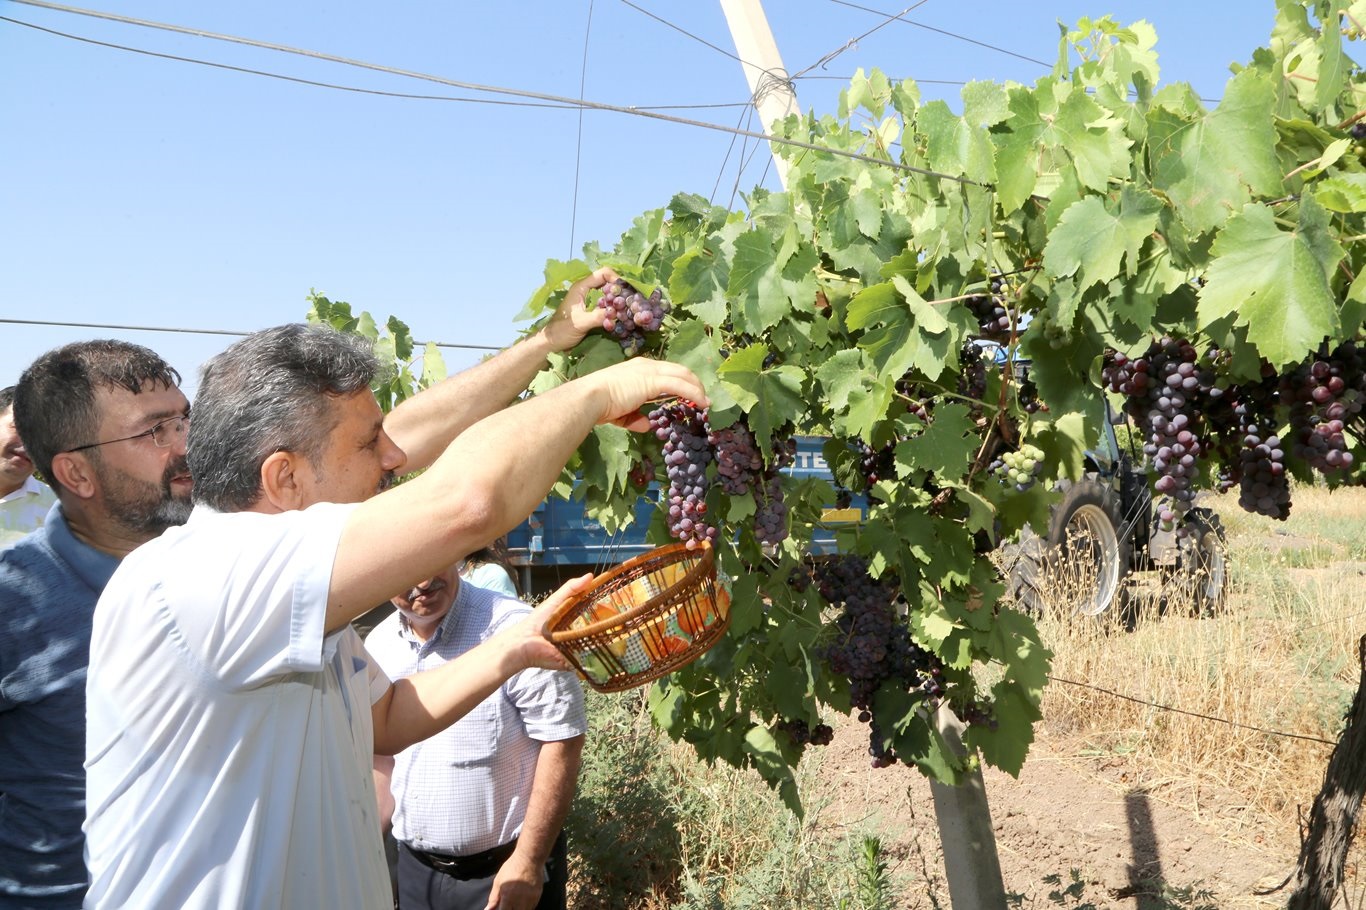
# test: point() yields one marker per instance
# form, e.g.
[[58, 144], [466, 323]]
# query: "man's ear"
[[73, 471], [281, 480]]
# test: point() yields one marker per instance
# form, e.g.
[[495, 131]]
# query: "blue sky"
[[144, 191]]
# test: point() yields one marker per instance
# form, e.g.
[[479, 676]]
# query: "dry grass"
[[1280, 659]]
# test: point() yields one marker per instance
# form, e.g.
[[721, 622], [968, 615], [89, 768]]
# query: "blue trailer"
[[558, 541]]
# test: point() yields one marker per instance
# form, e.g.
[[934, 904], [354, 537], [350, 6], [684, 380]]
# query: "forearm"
[[552, 792], [426, 423], [486, 482], [421, 705]]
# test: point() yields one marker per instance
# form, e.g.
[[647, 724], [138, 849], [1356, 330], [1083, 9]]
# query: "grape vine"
[[954, 318]]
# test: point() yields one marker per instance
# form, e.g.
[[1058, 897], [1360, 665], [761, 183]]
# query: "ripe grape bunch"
[[642, 472], [871, 645], [628, 314], [682, 427], [1328, 394], [1020, 467], [800, 733], [740, 469], [993, 319], [1163, 389]]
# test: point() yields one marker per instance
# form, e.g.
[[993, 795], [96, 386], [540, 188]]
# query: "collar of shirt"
[[443, 631], [94, 567], [31, 486]]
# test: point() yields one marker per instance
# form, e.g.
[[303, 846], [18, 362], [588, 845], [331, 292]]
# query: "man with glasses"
[[105, 422], [232, 710], [24, 499]]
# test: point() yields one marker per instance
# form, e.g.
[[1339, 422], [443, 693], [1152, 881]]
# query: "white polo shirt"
[[228, 743], [23, 510]]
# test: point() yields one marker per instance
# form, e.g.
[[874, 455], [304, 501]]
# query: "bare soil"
[[1150, 847]]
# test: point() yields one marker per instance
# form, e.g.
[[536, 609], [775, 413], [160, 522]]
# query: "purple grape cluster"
[[1164, 389], [682, 427], [628, 315], [993, 319], [871, 645], [642, 472], [801, 734], [1326, 395], [876, 464], [738, 462], [770, 515]]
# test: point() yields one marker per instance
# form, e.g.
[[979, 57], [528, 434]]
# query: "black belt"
[[476, 865]]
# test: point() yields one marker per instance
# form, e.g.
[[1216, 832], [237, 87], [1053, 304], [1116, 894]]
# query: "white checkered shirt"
[[465, 789]]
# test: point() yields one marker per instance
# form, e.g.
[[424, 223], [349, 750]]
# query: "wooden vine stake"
[[1332, 821]]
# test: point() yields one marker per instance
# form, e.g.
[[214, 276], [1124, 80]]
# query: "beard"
[[145, 508]]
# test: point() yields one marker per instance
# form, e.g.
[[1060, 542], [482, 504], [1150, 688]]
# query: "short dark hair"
[[54, 401], [6, 397], [270, 392]]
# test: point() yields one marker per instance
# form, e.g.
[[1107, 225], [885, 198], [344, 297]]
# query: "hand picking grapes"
[[628, 315]]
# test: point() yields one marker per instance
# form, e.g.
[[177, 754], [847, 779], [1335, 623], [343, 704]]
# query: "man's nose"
[[392, 457]]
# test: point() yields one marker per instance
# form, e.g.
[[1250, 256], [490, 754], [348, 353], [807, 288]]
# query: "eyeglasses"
[[164, 434]]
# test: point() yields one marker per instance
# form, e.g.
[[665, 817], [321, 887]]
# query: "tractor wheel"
[[1080, 567], [1198, 583]]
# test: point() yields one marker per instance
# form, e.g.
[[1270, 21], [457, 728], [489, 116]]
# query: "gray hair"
[[270, 392], [54, 401]]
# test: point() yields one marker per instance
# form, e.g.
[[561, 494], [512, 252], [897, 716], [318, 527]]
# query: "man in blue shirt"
[[106, 422]]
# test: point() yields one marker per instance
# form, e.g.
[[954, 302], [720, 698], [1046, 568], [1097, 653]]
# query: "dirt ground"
[[1131, 848]]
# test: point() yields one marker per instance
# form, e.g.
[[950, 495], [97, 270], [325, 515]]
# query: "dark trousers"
[[421, 887]]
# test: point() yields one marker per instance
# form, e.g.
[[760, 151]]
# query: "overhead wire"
[[853, 42], [578, 144], [496, 90], [186, 331], [678, 28], [315, 83], [944, 32]]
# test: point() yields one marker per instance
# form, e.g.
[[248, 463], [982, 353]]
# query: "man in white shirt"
[[231, 710], [24, 500], [479, 809]]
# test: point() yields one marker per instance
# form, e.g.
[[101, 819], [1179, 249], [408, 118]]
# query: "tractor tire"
[[1198, 583], [1079, 568]]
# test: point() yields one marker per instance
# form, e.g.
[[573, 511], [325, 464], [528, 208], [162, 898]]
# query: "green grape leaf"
[[842, 375], [756, 280], [1092, 241], [1344, 193], [433, 366], [870, 92], [698, 283], [955, 146], [1015, 642], [693, 344], [1275, 282], [746, 604], [985, 104], [1333, 66], [867, 407], [946, 447], [1353, 313], [763, 752], [771, 397], [605, 458], [558, 277], [1207, 166], [1006, 746], [912, 734], [789, 685]]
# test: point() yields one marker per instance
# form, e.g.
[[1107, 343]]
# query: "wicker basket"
[[644, 618]]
